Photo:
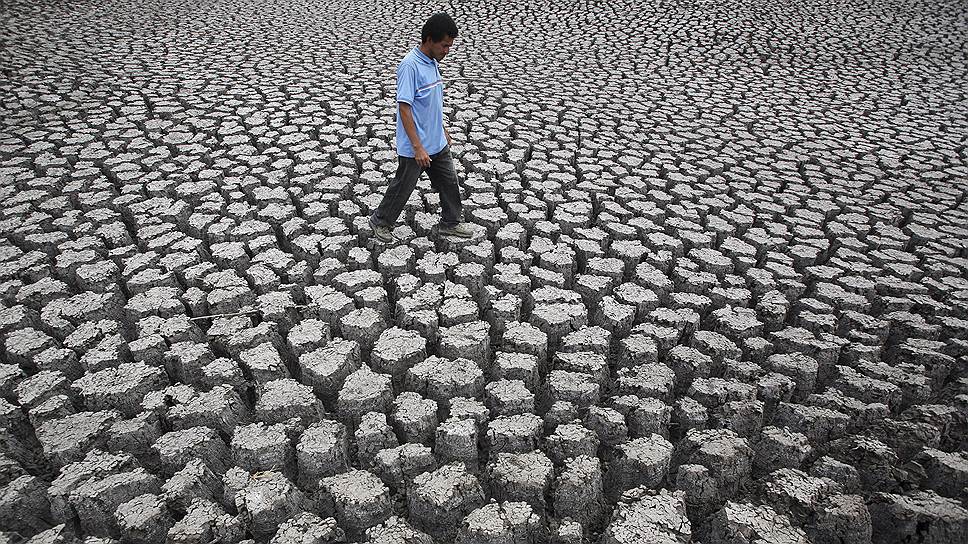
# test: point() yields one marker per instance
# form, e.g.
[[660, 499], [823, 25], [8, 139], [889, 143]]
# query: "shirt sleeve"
[[406, 83]]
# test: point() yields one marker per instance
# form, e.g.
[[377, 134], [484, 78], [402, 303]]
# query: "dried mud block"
[[647, 380], [947, 473], [329, 304], [308, 335], [468, 408], [361, 500], [743, 522], [16, 424], [845, 475], [204, 522], [263, 363], [875, 462], [184, 361], [516, 366], [609, 424], [820, 425], [221, 409], [195, 481], [737, 323], [566, 531], [508, 397], [513, 434], [578, 388], [176, 448], [308, 528], [398, 466], [364, 326], [504, 522], [500, 309], [636, 350], [53, 408], [780, 448], [10, 469], [840, 518], [644, 416], [570, 440], [579, 491], [68, 439], [744, 417], [285, 399], [801, 368], [322, 450], [144, 519], [372, 435], [96, 464], [614, 316], [96, 500], [793, 492], [525, 338], [136, 435], [24, 506], [58, 534], [457, 440], [121, 388], [396, 530], [442, 379], [326, 368], [584, 362], [364, 391], [644, 516], [40, 387], [524, 477], [414, 418], [262, 447], [266, 501], [396, 351], [467, 341], [726, 455], [438, 501], [558, 319], [643, 461], [589, 340], [223, 371], [10, 377], [921, 515], [688, 364], [233, 482]]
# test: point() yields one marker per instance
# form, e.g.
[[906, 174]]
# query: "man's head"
[[437, 36]]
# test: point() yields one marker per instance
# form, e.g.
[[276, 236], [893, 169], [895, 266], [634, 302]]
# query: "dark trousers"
[[443, 178]]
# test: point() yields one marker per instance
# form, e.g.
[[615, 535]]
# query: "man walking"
[[423, 143]]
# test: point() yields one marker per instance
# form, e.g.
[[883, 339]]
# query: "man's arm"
[[419, 153], [447, 134]]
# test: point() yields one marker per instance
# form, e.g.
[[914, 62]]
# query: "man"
[[423, 143]]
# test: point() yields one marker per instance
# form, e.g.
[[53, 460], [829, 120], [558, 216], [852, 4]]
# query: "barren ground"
[[718, 290]]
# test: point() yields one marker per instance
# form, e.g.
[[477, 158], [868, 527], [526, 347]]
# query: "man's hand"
[[420, 155]]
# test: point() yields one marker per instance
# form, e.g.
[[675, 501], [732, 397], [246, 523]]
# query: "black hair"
[[438, 26]]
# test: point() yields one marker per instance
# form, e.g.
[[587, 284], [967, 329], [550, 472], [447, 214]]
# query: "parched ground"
[[718, 290]]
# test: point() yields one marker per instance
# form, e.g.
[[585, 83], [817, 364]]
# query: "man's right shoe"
[[460, 230], [382, 233]]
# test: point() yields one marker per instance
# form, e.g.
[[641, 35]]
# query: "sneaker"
[[382, 233], [460, 230]]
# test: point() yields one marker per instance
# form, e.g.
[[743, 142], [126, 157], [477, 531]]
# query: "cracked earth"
[[717, 291]]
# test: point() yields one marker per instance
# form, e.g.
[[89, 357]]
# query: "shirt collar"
[[423, 58]]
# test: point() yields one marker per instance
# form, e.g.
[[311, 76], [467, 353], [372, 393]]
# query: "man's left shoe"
[[381, 233], [460, 230]]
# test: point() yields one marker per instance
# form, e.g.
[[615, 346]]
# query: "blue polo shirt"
[[420, 85]]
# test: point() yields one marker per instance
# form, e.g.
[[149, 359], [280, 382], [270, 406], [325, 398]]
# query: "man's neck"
[[425, 49]]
